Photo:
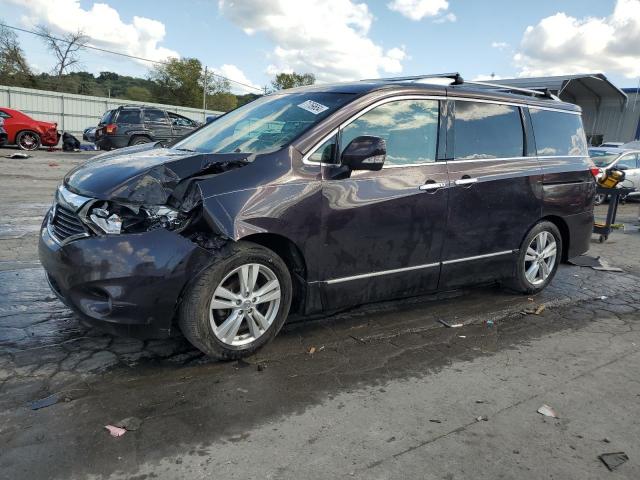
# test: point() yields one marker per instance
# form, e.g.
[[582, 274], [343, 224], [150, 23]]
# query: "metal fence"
[[73, 113]]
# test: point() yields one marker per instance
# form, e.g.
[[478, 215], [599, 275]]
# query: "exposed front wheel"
[[28, 140], [600, 198], [538, 260], [238, 304]]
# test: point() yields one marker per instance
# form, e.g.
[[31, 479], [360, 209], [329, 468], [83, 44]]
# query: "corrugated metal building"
[[74, 113], [607, 112]]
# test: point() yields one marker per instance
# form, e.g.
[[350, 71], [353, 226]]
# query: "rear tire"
[[538, 260], [261, 309], [139, 140], [28, 140]]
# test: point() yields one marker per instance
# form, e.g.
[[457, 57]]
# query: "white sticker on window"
[[313, 107]]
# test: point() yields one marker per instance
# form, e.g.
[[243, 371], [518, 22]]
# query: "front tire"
[[28, 140], [238, 304], [538, 260]]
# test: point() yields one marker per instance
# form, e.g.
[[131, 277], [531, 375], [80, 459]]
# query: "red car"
[[27, 133]]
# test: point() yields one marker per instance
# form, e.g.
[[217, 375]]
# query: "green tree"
[[222, 101], [283, 81], [14, 69], [140, 94], [178, 82]]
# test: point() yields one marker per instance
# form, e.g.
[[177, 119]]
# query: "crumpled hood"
[[145, 174]]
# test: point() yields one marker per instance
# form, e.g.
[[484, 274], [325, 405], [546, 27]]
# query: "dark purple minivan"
[[320, 198]]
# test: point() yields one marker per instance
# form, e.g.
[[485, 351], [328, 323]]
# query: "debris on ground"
[[597, 263], [603, 297], [534, 310], [613, 460], [130, 424], [261, 367], [312, 350], [547, 411], [18, 155], [115, 431], [242, 390], [44, 402], [482, 418], [450, 325], [489, 323], [54, 164], [434, 420]]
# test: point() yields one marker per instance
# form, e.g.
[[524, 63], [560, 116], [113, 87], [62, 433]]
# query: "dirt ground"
[[388, 392]]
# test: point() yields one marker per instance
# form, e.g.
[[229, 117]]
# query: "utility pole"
[[204, 96]]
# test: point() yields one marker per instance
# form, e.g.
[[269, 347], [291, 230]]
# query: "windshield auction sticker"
[[313, 107]]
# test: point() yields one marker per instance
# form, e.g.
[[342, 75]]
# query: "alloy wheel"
[[540, 258], [28, 141], [245, 304]]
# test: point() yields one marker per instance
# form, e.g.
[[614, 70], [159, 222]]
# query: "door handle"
[[466, 181], [432, 186]]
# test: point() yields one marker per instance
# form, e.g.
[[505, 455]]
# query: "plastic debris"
[[18, 155], [450, 325], [489, 323], [547, 411], [130, 424], [312, 350], [115, 431], [44, 402], [540, 309], [603, 297], [242, 390], [482, 418], [613, 460]]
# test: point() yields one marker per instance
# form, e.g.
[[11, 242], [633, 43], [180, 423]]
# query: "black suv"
[[321, 198], [133, 125]]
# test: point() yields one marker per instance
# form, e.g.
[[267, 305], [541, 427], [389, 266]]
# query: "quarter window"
[[558, 133], [4, 114], [325, 152], [410, 128], [131, 117], [487, 130]]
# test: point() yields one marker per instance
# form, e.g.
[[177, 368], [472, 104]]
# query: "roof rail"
[[455, 76], [546, 93]]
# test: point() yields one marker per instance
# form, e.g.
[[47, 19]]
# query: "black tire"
[[519, 282], [193, 314], [28, 140], [139, 140]]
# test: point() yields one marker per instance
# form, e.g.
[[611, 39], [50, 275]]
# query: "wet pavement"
[[388, 392]]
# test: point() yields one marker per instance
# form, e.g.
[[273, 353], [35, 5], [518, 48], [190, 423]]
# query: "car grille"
[[66, 225]]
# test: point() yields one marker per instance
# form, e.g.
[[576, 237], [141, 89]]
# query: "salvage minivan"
[[319, 198]]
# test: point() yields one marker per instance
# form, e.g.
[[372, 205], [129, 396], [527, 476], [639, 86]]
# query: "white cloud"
[[499, 45], [561, 44], [449, 17], [329, 38], [419, 9], [232, 72], [102, 23]]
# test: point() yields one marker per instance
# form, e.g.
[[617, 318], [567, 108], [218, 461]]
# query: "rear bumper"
[[580, 230], [108, 142], [126, 284]]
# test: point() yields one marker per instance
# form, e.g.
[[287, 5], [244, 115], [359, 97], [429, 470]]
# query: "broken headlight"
[[112, 218]]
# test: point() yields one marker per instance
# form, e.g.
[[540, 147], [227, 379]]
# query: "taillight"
[[110, 129], [595, 171]]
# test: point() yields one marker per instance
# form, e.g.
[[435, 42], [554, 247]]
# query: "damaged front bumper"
[[129, 284]]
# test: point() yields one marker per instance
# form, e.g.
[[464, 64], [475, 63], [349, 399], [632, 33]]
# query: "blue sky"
[[363, 38]]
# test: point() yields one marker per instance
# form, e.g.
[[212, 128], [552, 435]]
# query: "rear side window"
[[487, 130], [154, 115], [629, 160], [410, 128], [558, 133], [4, 114], [129, 116]]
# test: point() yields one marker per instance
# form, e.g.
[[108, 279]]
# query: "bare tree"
[[65, 48], [12, 60]]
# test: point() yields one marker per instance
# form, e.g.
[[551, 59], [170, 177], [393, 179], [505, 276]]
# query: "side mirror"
[[621, 167], [365, 153]]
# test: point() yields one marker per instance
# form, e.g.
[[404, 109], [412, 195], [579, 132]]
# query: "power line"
[[133, 57]]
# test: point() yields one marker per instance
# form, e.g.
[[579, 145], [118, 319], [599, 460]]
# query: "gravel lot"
[[388, 393]]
